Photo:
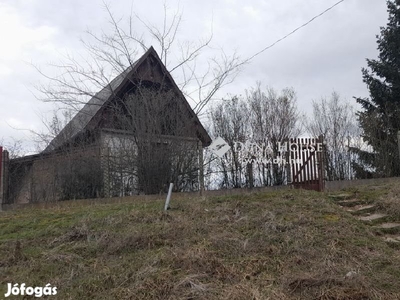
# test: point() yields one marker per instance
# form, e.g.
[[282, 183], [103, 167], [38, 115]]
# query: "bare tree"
[[334, 119], [264, 118], [144, 153], [274, 118], [110, 54], [52, 127], [229, 120], [15, 147], [151, 143]]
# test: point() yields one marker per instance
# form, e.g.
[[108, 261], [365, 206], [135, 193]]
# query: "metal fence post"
[[166, 206]]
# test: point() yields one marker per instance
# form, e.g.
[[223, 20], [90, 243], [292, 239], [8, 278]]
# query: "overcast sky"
[[325, 56]]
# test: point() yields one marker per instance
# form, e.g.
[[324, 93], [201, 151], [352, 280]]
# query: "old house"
[[134, 136]]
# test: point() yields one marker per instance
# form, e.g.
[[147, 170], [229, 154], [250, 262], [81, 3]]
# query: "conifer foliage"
[[379, 116]]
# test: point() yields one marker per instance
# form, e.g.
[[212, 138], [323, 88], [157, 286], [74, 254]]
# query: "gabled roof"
[[81, 120]]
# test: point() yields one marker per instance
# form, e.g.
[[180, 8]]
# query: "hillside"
[[288, 244]]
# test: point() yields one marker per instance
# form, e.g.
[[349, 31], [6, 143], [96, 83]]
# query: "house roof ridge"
[[85, 115]]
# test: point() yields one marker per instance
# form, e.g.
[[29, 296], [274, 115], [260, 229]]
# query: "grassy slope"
[[277, 245]]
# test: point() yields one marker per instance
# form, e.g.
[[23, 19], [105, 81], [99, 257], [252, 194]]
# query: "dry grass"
[[277, 245]]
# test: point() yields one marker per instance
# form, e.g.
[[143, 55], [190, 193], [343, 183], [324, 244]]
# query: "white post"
[[166, 206]]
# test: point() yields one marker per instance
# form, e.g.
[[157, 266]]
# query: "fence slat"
[[308, 173]]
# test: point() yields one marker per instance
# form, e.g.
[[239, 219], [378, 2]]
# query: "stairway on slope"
[[367, 212]]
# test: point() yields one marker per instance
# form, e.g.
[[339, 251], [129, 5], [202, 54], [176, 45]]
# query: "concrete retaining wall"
[[331, 186]]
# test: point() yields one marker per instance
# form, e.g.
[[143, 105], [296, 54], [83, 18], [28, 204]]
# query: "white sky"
[[326, 55]]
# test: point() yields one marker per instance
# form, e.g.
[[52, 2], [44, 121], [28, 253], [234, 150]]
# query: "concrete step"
[[338, 197], [388, 227], [361, 209], [351, 202], [392, 240], [373, 218]]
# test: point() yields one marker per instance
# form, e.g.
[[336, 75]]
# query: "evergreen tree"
[[379, 117]]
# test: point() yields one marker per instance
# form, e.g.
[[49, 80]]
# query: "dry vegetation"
[[272, 245]]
